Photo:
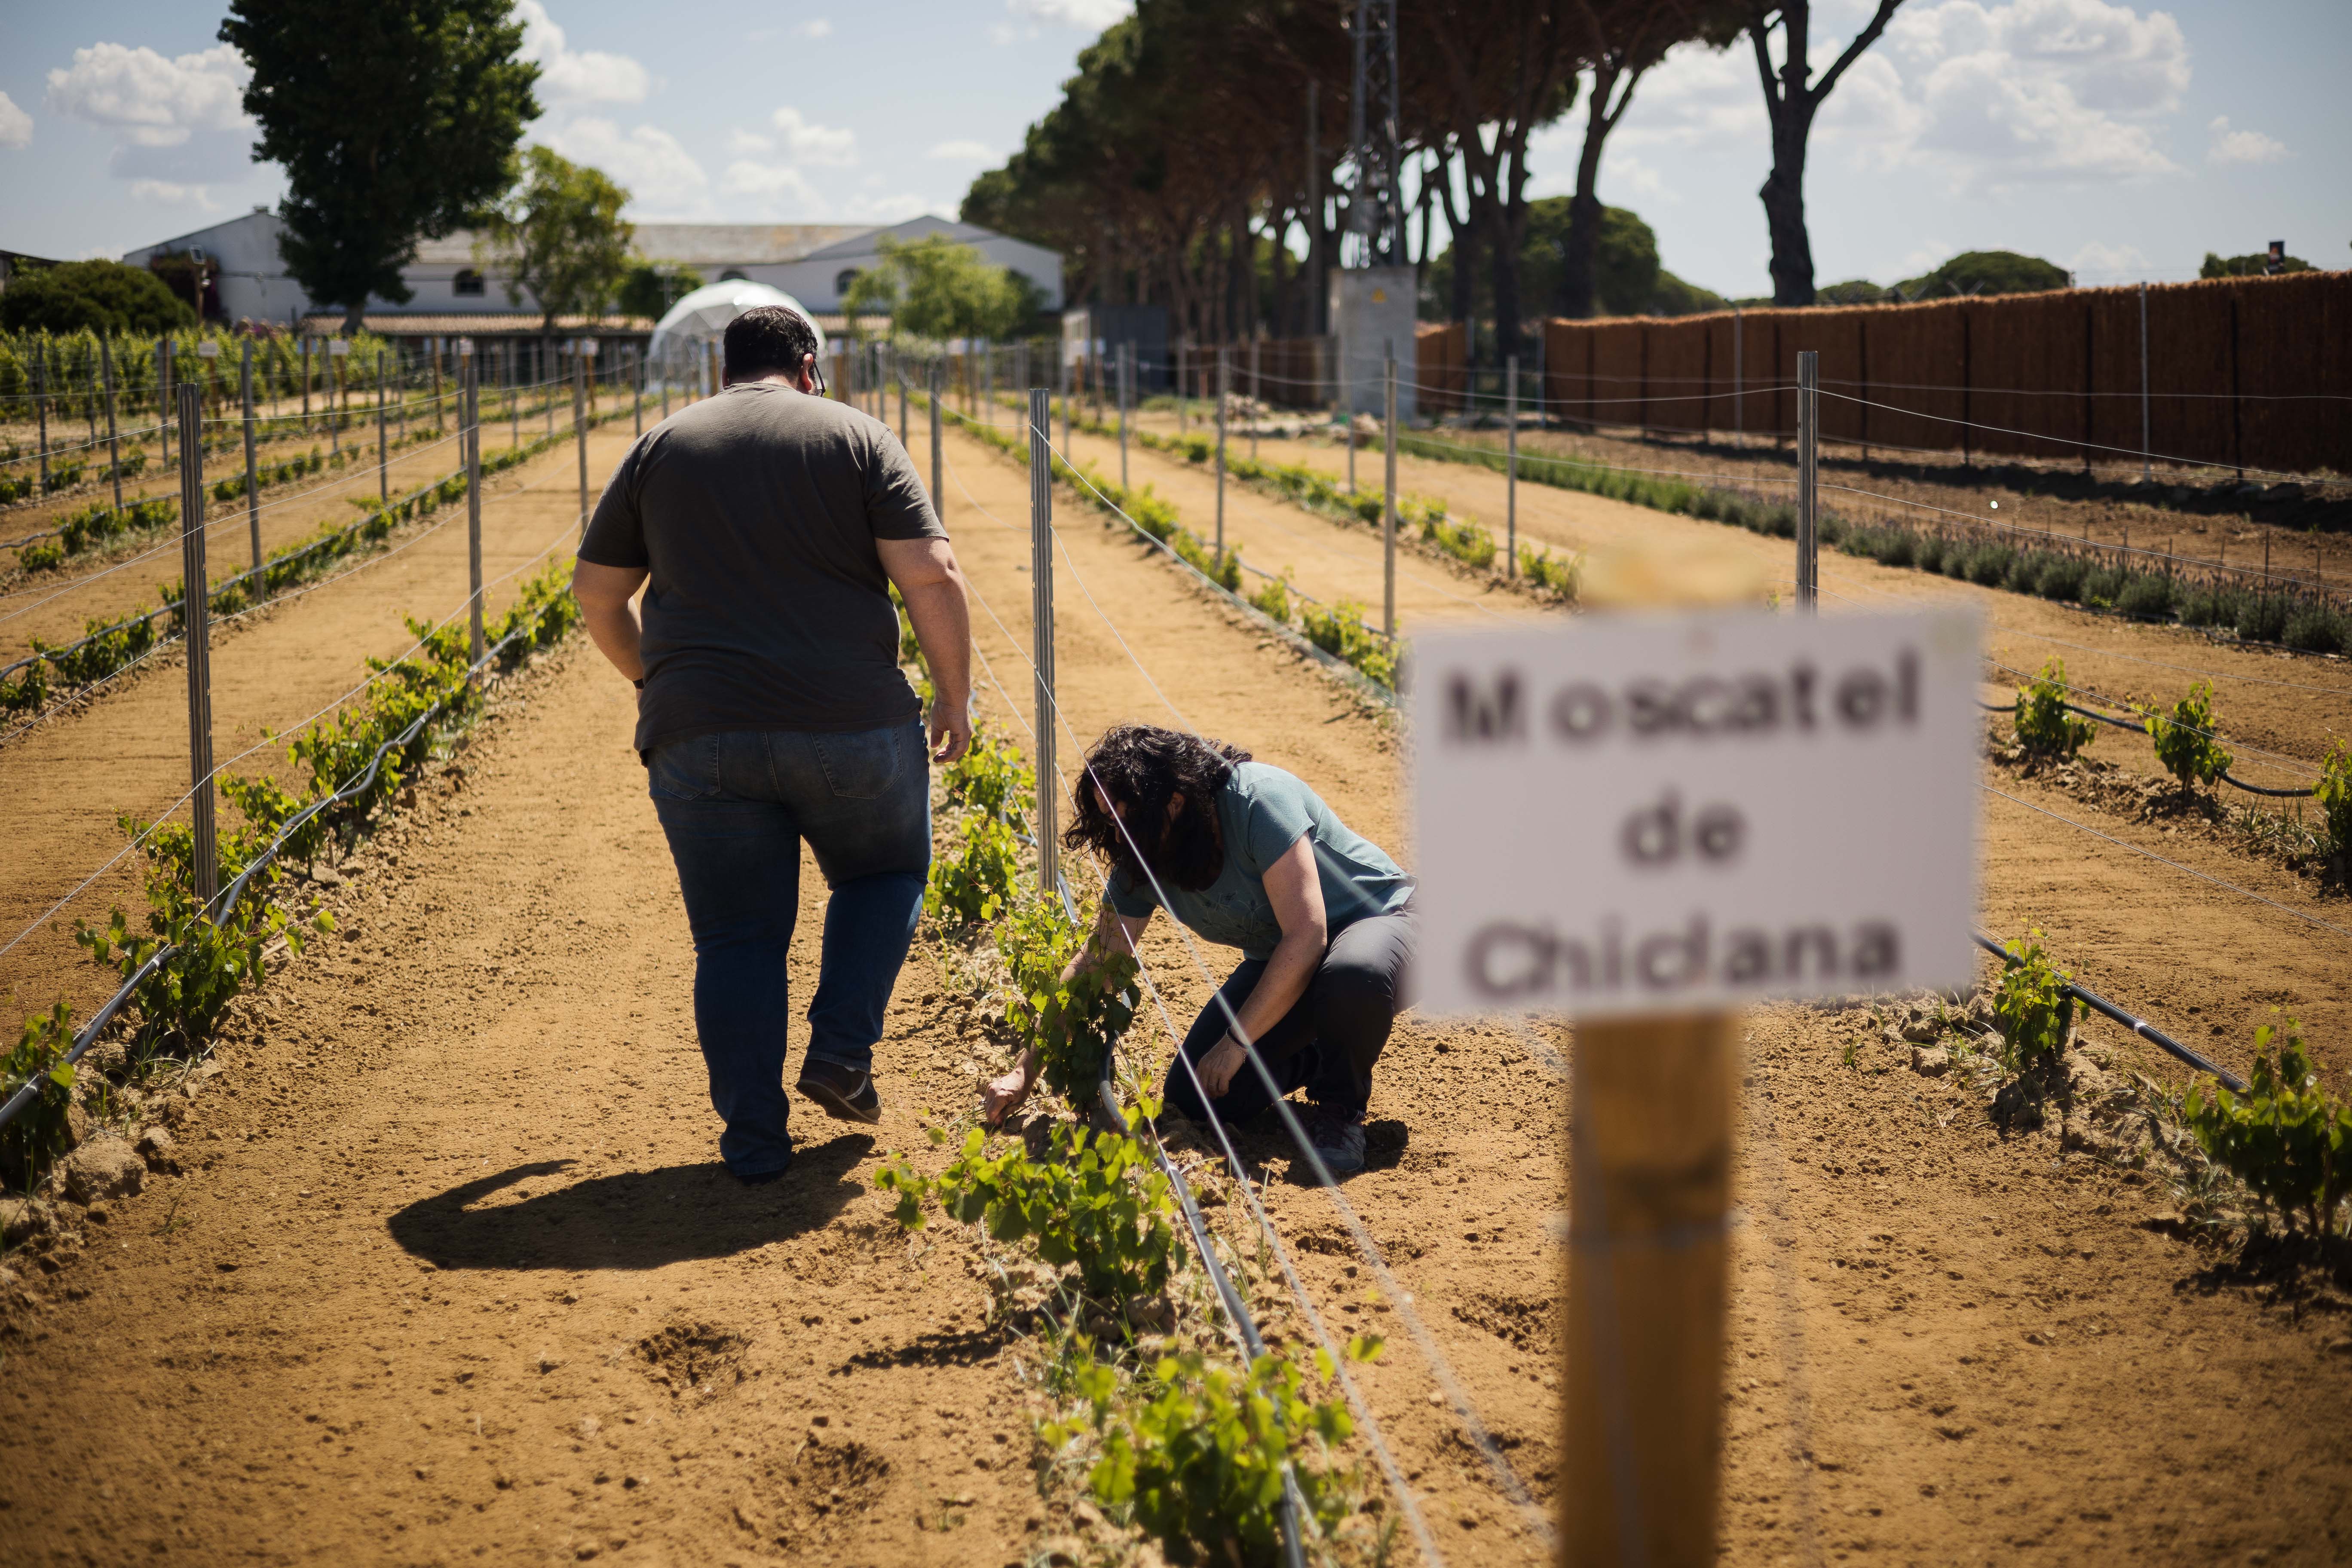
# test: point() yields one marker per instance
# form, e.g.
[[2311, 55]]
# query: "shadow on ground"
[[636, 1219]]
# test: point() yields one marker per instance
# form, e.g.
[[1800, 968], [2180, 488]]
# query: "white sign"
[[208, 350], [339, 348], [465, 347], [1663, 814]]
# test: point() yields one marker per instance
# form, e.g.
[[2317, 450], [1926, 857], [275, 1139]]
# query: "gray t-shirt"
[[1264, 811], [768, 608]]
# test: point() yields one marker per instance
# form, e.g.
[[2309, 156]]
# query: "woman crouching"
[[1247, 855]]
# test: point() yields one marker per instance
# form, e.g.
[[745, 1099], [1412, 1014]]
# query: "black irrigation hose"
[[228, 896], [2225, 776], [1246, 1326], [2140, 1026]]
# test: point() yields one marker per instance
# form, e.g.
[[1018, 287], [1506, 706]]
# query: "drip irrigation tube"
[[2140, 1026], [2141, 730], [227, 898]]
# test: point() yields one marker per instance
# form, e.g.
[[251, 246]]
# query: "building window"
[[733, 275], [844, 281], [468, 284]]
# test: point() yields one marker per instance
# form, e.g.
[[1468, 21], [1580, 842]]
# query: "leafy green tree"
[[394, 121], [936, 287], [2253, 266], [1625, 277], [1988, 272], [560, 237], [92, 296], [650, 288]]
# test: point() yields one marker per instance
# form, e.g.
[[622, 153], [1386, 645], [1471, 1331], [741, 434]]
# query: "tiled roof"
[[476, 324], [694, 243]]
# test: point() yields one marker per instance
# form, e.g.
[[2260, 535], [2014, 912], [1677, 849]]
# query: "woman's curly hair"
[[1143, 767]]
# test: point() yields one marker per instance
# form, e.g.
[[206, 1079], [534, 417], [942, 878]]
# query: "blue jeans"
[[735, 807]]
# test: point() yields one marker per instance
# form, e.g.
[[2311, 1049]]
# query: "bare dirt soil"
[[451, 1274]]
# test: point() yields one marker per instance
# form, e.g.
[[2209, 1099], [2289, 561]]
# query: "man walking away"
[[767, 524]]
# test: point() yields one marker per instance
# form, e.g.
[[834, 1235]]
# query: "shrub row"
[[211, 957], [2301, 621], [106, 648]]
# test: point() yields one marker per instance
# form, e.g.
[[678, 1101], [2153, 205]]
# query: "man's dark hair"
[[766, 339], [1143, 767]]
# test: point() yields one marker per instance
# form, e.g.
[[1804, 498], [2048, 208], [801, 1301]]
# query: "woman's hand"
[[1216, 1070], [999, 1097]]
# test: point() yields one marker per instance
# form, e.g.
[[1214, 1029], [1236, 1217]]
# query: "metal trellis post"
[[164, 401], [938, 495], [1225, 385], [2146, 467], [1808, 497], [1388, 503], [1126, 395], [196, 593], [580, 428], [471, 413], [1041, 585], [1511, 466], [113, 431], [252, 478], [41, 404], [382, 441]]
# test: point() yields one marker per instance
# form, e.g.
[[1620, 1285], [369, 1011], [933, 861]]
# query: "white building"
[[812, 262]]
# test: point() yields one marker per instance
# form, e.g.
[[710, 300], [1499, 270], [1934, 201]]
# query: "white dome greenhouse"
[[694, 326]]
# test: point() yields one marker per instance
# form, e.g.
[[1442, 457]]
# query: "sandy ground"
[[453, 1277]]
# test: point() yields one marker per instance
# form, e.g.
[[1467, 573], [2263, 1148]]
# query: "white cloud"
[[2098, 262], [1005, 34], [648, 160], [576, 75], [16, 125], [2229, 146], [175, 194], [1092, 15], [809, 144], [769, 182], [1993, 95], [743, 143], [963, 152], [149, 101], [886, 209], [815, 27]]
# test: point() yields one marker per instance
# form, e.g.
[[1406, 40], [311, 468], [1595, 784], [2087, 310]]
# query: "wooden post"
[[1650, 1162]]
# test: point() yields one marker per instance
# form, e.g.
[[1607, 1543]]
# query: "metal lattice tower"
[[1375, 216]]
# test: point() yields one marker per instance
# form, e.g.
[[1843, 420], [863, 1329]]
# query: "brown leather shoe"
[[846, 1094]]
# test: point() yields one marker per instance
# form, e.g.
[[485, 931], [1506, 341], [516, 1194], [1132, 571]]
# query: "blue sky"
[[2121, 141]]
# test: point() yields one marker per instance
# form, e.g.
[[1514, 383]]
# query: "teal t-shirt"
[[1264, 811]]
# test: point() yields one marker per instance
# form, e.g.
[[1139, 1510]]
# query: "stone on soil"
[[105, 1168]]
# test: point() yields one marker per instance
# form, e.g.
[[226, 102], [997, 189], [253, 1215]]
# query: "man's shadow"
[[636, 1219]]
